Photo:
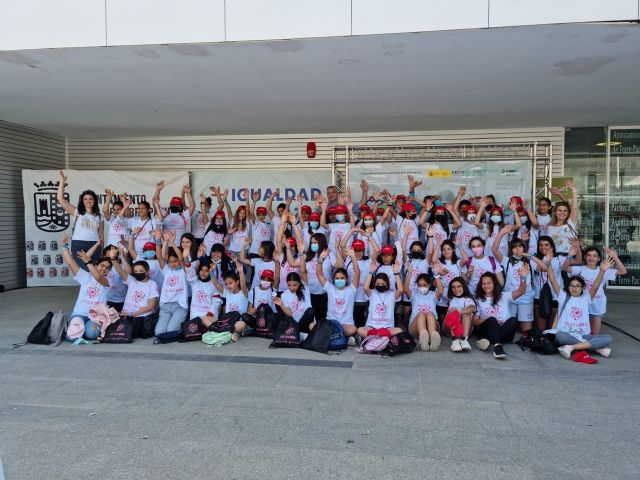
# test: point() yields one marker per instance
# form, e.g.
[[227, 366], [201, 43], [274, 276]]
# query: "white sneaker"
[[464, 344], [351, 342], [564, 351], [483, 344], [456, 345], [435, 342], [424, 341], [605, 352]]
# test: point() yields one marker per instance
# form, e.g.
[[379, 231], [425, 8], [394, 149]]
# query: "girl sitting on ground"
[[423, 320], [461, 301], [295, 303], [234, 292], [382, 301]]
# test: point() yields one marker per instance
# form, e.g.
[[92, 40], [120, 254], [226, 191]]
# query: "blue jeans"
[[597, 341], [170, 318]]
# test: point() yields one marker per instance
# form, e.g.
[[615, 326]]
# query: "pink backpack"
[[374, 344]]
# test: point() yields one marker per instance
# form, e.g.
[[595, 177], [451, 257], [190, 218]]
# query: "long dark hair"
[[295, 277], [454, 257], [215, 228], [465, 289], [96, 208], [444, 223], [545, 238], [322, 245], [226, 264], [267, 249], [237, 223], [193, 251], [497, 288]]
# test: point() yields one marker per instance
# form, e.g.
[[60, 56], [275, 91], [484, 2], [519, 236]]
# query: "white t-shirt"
[[235, 302], [500, 311], [340, 303], [465, 233], [204, 298], [285, 269], [87, 227], [260, 266], [174, 287], [307, 236], [364, 274], [414, 234], [543, 220], [388, 270], [419, 267], [337, 231], [258, 296], [381, 309], [379, 236], [561, 235], [575, 314], [453, 271], [143, 236], [211, 238], [460, 303], [177, 222], [116, 229], [512, 281], [481, 266], [91, 293], [155, 272], [297, 306], [117, 290], [260, 232], [139, 294], [198, 225], [504, 243], [315, 287], [540, 278], [440, 234], [422, 303], [239, 236], [598, 305]]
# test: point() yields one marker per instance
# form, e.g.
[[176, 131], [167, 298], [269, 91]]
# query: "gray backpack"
[[58, 327]]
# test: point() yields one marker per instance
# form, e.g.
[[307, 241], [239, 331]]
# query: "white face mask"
[[496, 218], [471, 217], [265, 284], [524, 219], [423, 290], [313, 224], [368, 222]]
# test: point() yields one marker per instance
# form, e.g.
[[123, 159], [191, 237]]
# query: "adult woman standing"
[[87, 222]]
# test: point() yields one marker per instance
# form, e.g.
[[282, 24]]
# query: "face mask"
[[216, 261], [314, 247], [174, 209], [477, 251], [140, 276], [178, 268], [368, 222], [204, 280], [423, 290], [440, 217], [381, 288], [471, 217], [524, 219], [495, 218], [219, 222], [149, 255], [314, 224], [264, 284], [340, 217], [340, 282], [416, 255]]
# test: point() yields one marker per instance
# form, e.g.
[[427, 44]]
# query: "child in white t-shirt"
[[142, 292], [461, 300], [423, 319], [234, 292], [295, 302], [205, 299], [382, 301]]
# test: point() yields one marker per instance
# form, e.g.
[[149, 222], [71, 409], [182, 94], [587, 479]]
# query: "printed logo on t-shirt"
[[172, 280], [479, 271], [92, 291], [515, 275], [340, 303], [192, 328], [576, 313], [138, 296], [381, 308], [295, 305], [202, 296], [289, 331], [339, 234], [493, 310], [233, 307], [120, 327], [424, 308], [448, 277], [466, 236]]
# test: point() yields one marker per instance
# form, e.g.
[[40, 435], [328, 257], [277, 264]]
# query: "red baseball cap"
[[440, 208], [219, 213], [261, 211], [368, 215], [341, 209], [292, 242], [175, 202], [267, 274], [521, 210], [496, 208], [149, 246], [331, 210], [517, 199], [469, 209], [306, 209], [380, 211], [357, 245], [408, 207], [315, 216], [400, 197], [365, 208], [386, 250]]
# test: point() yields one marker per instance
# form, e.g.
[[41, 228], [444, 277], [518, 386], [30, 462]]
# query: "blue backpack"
[[338, 340]]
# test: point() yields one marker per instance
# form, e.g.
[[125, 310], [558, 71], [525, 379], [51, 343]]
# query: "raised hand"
[[203, 198], [82, 255], [109, 193], [63, 177], [428, 204], [160, 185], [462, 191], [554, 191], [350, 252], [611, 253], [570, 185], [397, 266], [324, 254], [299, 198], [505, 230], [406, 229], [413, 183], [288, 201], [225, 194], [604, 265], [214, 190], [256, 196], [376, 196], [364, 186], [392, 231], [275, 193], [186, 188], [65, 238], [245, 190], [524, 270], [525, 235]]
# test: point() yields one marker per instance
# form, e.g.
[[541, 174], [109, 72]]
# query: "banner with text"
[[45, 219], [291, 183], [503, 178]]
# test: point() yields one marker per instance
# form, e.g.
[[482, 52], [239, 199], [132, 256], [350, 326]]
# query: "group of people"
[[384, 263]]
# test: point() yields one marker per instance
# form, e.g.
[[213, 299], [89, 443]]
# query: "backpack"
[[40, 333], [265, 321], [226, 322], [287, 334], [167, 337], [374, 344], [545, 302], [120, 331], [338, 340], [216, 339], [191, 330], [535, 342], [318, 339], [401, 343], [58, 327], [75, 329]]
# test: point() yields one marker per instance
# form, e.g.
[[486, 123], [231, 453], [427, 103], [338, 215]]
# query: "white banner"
[[502, 178], [45, 220], [290, 182]]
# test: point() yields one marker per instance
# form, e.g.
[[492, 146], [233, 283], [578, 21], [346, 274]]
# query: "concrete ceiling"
[[555, 75]]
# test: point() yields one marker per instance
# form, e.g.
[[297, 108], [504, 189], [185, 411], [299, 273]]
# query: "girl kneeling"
[[382, 301]]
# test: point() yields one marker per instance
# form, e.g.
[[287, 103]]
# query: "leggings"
[[360, 313], [597, 341], [319, 304], [496, 333]]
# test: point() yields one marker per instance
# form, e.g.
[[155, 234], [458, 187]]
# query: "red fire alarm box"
[[311, 149]]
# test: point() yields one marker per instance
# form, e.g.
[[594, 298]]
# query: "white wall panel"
[[27, 24], [134, 22], [20, 147], [388, 16], [278, 19], [525, 12]]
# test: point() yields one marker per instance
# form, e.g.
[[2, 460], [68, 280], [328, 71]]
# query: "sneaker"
[[456, 345], [565, 351], [482, 344], [498, 352], [351, 342], [435, 342], [605, 352], [424, 341], [464, 344]]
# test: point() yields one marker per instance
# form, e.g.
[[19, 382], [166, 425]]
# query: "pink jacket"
[[103, 316]]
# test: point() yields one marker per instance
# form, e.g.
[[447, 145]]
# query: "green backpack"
[[216, 339]]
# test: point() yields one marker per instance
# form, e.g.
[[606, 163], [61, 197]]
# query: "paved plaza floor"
[[242, 411]]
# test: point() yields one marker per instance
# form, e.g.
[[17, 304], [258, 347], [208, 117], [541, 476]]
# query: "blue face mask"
[[314, 247], [340, 217], [340, 282], [496, 218], [149, 255], [314, 225]]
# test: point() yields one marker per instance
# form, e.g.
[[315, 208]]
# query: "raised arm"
[[319, 271], [356, 267], [252, 209], [364, 187], [225, 200], [66, 253], [552, 278], [480, 214], [522, 287], [269, 206], [323, 212], [396, 274], [454, 214], [604, 266], [613, 255], [70, 209], [574, 201], [243, 281], [106, 206], [203, 209], [462, 191], [243, 252], [189, 194], [495, 248], [407, 281], [156, 200], [124, 275]]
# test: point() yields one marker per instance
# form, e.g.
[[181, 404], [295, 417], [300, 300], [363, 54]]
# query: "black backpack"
[[545, 303], [287, 334], [120, 331], [226, 322], [40, 333], [191, 330], [265, 321], [319, 338], [535, 342], [401, 343]]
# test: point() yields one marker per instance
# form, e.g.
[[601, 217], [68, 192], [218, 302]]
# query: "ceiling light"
[[604, 144]]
